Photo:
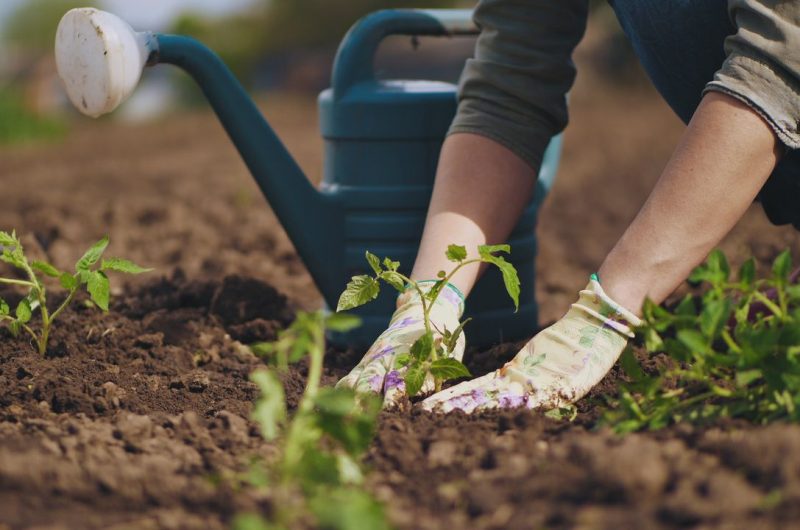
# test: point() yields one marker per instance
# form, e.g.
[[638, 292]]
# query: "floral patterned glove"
[[376, 371], [557, 367]]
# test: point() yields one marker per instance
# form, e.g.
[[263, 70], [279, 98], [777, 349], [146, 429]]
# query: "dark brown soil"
[[135, 418]]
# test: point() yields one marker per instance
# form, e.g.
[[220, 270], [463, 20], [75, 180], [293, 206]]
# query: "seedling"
[[87, 273], [318, 466], [432, 353], [733, 352]]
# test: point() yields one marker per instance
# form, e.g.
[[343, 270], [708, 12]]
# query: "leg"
[[480, 191]]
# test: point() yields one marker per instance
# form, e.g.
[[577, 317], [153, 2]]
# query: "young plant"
[[87, 273], [431, 353], [318, 468], [732, 352]]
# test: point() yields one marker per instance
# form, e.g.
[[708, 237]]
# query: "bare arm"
[[722, 161], [481, 190]]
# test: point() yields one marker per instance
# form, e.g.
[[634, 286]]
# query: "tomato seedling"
[[87, 273], [432, 352], [318, 467]]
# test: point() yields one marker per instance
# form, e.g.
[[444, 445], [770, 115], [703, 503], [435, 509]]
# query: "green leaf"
[[714, 271], [45, 268], [457, 253], [270, 408], [631, 366], [68, 281], [745, 377], [747, 273], [394, 279], [15, 327], [346, 509], [421, 349], [714, 316], [13, 257], [374, 262], [414, 378], [342, 322], [122, 265], [686, 307], [99, 289], [316, 467], [693, 340], [510, 278], [449, 368], [391, 265], [92, 255], [347, 417], [262, 349], [488, 250], [652, 340], [5, 310], [782, 266], [451, 339], [23, 311], [359, 291], [402, 360], [8, 240]]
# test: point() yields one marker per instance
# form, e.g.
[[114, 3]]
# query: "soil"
[[136, 416]]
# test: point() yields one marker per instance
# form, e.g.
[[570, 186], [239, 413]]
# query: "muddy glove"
[[376, 371], [557, 367]]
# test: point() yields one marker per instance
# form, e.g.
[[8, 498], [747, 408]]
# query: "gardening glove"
[[377, 372], [557, 367]]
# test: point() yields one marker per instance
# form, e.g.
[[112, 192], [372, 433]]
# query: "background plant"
[[430, 354], [733, 352], [318, 469], [90, 272]]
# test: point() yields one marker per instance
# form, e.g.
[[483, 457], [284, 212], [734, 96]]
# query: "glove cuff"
[[594, 301], [450, 296]]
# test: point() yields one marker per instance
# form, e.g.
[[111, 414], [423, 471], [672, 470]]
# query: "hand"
[[557, 367], [377, 372]]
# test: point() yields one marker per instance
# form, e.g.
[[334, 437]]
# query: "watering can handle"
[[354, 59]]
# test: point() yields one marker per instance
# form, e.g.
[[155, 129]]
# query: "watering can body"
[[382, 143]]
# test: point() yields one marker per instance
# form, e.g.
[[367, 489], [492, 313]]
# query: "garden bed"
[[139, 417], [136, 418]]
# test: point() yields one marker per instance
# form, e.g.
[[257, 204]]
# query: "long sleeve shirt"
[[514, 89]]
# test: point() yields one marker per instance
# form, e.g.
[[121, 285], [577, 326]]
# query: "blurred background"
[[269, 44], [161, 178]]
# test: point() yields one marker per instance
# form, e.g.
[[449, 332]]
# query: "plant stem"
[[425, 310], [293, 451], [64, 304], [23, 283], [769, 303]]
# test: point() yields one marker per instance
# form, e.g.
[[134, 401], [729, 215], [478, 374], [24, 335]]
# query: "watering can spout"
[[100, 59]]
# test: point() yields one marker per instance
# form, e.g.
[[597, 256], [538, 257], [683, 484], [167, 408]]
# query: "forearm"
[[481, 190], [722, 161]]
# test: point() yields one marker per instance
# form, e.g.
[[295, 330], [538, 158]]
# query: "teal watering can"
[[382, 142]]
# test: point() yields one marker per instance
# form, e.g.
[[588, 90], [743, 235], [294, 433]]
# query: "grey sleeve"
[[514, 90], [762, 68]]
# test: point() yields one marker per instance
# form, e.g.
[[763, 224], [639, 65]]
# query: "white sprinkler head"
[[99, 58]]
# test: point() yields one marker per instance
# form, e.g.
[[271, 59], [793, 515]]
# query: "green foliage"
[[33, 25], [318, 466], [431, 354], [733, 352], [95, 280], [18, 124]]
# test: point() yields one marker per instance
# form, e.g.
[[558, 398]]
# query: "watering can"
[[382, 143]]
